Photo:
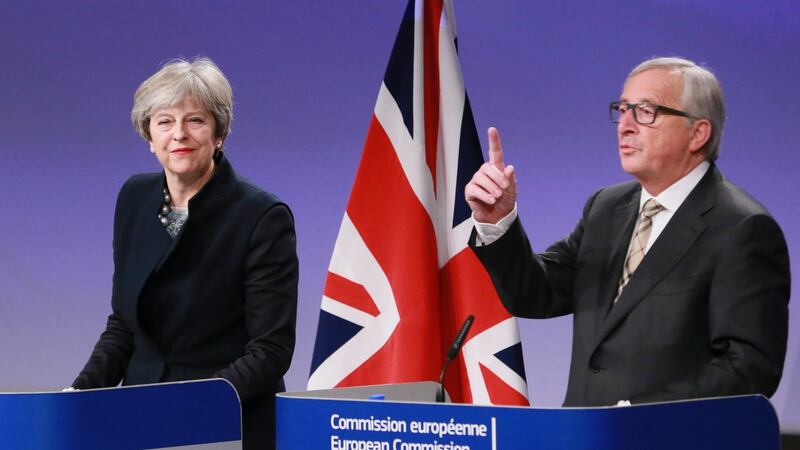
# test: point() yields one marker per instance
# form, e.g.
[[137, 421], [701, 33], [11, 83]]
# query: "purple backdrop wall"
[[305, 78]]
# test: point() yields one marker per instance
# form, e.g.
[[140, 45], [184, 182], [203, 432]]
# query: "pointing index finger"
[[495, 149]]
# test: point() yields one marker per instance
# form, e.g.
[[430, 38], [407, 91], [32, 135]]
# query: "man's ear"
[[701, 133]]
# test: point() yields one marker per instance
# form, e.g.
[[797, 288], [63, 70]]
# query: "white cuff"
[[490, 232]]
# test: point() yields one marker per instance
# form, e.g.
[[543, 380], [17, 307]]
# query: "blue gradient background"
[[305, 76]]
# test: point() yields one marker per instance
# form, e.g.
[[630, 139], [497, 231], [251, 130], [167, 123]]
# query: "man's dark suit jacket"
[[217, 301], [705, 314]]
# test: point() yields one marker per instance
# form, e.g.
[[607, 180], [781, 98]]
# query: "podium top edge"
[[216, 381]]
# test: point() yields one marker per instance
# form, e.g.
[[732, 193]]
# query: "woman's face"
[[182, 138]]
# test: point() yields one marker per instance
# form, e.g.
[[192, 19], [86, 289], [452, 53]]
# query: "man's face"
[[660, 153]]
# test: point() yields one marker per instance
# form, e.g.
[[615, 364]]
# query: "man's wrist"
[[490, 232]]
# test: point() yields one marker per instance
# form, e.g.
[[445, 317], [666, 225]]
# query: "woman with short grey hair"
[[206, 270], [200, 79]]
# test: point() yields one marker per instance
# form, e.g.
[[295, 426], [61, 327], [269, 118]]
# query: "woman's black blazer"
[[219, 300]]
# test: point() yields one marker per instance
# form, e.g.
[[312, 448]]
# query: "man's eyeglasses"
[[643, 113]]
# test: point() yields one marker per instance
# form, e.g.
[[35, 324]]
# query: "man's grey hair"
[[179, 79], [702, 96]]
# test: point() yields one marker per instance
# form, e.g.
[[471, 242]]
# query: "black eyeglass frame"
[[615, 106]]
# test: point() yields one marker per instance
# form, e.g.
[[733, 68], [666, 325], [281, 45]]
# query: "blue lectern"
[[320, 420], [193, 414]]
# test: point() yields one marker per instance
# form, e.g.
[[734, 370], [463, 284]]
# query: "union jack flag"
[[402, 278]]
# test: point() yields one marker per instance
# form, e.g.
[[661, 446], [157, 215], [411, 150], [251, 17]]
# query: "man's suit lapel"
[[682, 231], [622, 221]]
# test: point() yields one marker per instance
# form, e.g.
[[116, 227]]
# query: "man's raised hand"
[[492, 191]]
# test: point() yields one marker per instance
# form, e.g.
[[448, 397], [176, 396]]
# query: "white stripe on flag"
[[346, 312], [480, 350], [410, 152], [452, 112]]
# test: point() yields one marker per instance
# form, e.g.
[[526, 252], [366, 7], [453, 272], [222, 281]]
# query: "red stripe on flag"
[[466, 289], [399, 233], [432, 14], [500, 392], [351, 294]]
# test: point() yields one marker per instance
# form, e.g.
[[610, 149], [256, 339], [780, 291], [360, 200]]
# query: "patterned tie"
[[639, 242]]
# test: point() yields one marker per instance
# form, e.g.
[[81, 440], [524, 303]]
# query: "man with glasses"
[[678, 282]]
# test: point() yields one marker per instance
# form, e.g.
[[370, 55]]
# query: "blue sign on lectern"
[[204, 413], [310, 421]]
